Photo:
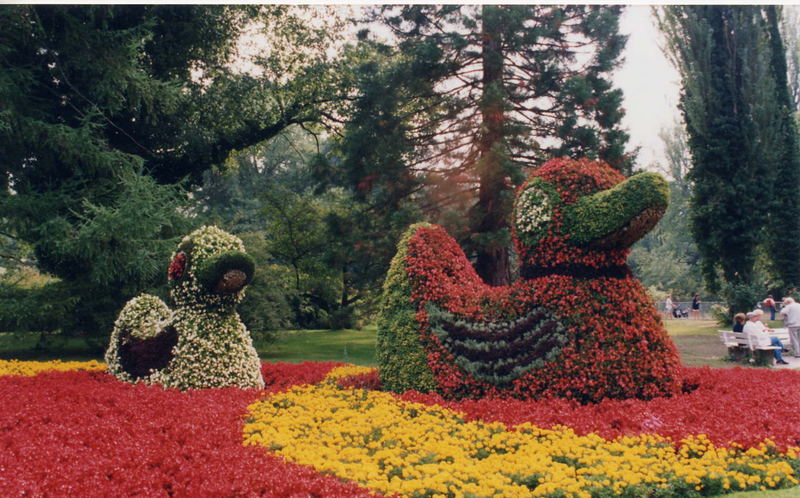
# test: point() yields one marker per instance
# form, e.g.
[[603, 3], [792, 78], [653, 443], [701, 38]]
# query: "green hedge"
[[401, 356]]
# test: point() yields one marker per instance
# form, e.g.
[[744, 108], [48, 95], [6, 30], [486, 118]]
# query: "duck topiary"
[[576, 324], [202, 343]]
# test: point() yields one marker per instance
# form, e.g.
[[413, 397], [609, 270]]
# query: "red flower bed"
[[87, 434], [738, 405]]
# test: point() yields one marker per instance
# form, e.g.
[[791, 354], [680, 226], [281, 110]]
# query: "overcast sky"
[[650, 84]]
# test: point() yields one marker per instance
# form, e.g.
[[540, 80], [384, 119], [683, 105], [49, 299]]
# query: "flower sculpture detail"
[[202, 342], [575, 325]]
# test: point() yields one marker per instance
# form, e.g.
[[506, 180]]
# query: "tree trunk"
[[490, 222]]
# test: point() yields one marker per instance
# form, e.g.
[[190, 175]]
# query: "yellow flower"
[[30, 368], [407, 448]]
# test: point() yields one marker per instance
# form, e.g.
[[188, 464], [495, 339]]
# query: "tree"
[[480, 94], [727, 101], [783, 222], [790, 30], [667, 257], [98, 100]]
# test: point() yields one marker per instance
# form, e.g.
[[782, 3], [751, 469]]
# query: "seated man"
[[756, 327]]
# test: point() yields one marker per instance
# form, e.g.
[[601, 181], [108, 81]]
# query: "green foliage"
[[597, 216], [782, 230], [401, 358], [99, 100], [667, 258], [728, 103], [265, 307]]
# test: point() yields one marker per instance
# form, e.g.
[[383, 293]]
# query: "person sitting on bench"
[[738, 322], [760, 331]]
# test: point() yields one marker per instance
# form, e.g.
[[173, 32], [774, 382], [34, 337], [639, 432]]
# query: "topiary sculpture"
[[202, 343], [575, 325]]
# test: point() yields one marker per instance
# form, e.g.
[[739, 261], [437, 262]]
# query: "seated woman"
[[757, 328], [738, 322]]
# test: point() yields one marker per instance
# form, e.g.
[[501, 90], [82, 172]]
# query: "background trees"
[[122, 127], [734, 102], [478, 95], [107, 109]]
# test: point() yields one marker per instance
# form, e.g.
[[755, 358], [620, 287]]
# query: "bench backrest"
[[740, 339]]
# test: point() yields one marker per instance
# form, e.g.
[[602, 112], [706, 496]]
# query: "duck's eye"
[[533, 211]]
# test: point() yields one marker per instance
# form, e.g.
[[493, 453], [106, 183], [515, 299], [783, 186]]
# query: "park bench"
[[741, 345]]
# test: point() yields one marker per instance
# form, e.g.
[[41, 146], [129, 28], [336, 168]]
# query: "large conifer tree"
[[477, 95], [784, 220]]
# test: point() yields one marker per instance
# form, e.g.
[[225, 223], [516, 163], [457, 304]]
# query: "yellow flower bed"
[[29, 368], [392, 446], [348, 371]]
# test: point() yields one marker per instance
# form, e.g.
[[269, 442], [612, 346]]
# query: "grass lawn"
[[349, 346]]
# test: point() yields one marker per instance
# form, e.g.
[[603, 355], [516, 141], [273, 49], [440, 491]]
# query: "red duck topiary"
[[575, 325]]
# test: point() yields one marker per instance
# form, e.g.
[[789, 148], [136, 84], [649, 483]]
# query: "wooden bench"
[[741, 345]]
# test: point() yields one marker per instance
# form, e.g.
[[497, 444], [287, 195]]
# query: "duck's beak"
[[227, 273], [619, 216]]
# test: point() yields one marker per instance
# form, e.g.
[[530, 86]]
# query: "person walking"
[[791, 320], [769, 303], [668, 307], [756, 327]]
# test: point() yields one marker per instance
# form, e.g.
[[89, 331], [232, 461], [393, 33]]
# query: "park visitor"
[[769, 303], [696, 306], [757, 328], [668, 307], [791, 320], [738, 322]]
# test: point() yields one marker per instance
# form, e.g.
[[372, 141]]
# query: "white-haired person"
[[791, 320], [756, 327]]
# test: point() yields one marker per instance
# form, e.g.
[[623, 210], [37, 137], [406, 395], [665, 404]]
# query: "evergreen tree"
[[99, 100], [784, 220], [480, 94], [727, 101]]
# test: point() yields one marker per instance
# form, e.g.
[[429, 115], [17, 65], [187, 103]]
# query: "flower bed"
[[317, 424]]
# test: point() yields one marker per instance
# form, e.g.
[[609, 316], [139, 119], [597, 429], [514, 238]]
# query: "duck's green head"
[[210, 266], [584, 212]]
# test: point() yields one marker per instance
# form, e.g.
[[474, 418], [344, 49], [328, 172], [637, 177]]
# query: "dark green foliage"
[[402, 361], [783, 221], [212, 270], [594, 217], [728, 104], [500, 351], [100, 99]]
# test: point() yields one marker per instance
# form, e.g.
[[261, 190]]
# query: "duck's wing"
[[143, 339], [142, 357], [498, 351]]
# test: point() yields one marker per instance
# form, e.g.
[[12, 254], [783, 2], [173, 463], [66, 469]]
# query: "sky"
[[650, 85]]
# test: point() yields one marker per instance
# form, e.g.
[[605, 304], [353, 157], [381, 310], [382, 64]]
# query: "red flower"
[[177, 267]]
